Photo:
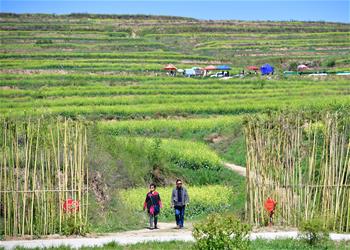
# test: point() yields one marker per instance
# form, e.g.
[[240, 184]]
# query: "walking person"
[[153, 204], [179, 200]]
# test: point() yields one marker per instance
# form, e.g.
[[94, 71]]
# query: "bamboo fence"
[[42, 164], [303, 163]]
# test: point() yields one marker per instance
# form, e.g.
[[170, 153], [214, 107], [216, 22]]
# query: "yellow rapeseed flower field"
[[203, 199]]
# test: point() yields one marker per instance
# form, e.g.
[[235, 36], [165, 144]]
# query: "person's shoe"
[[178, 227], [155, 227], [150, 228]]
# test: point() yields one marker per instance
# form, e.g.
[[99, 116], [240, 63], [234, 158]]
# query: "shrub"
[[43, 41], [71, 227], [190, 154], [329, 63], [157, 162], [313, 231], [293, 66], [221, 232]]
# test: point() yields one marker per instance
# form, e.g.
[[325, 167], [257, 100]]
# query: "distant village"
[[223, 71]]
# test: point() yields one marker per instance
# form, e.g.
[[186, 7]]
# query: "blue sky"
[[306, 10]]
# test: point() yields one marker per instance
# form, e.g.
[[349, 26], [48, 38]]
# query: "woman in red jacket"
[[153, 204]]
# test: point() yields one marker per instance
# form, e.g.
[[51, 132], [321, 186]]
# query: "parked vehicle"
[[195, 71], [218, 75]]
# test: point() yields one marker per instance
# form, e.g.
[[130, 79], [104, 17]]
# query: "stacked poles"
[[302, 163], [42, 164]]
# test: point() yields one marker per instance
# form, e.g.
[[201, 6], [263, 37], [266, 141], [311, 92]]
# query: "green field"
[[108, 69]]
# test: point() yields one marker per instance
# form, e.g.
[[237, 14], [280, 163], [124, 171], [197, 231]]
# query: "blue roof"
[[266, 69], [223, 67]]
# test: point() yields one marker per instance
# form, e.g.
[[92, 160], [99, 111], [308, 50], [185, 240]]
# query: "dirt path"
[[238, 169], [167, 232]]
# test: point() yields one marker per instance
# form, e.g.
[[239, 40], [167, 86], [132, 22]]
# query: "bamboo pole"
[[35, 179], [307, 167]]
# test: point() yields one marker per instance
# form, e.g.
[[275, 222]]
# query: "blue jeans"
[[179, 215]]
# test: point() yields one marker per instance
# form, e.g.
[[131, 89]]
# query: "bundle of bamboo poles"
[[42, 164], [302, 161]]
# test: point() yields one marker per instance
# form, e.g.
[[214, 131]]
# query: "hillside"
[[151, 127]]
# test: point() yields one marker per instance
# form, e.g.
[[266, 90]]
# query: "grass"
[[133, 158], [230, 145], [232, 148], [284, 244], [178, 128], [296, 244], [181, 153]]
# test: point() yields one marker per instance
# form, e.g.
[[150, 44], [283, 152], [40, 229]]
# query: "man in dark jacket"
[[179, 200]]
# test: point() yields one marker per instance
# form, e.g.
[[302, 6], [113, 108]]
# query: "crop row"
[[341, 37], [251, 48], [127, 45], [214, 107], [170, 127], [171, 28], [71, 64], [173, 89], [66, 55], [289, 41], [137, 67], [37, 101], [80, 79], [251, 45], [182, 153], [119, 36], [62, 34], [233, 29], [229, 36], [43, 85], [91, 37]]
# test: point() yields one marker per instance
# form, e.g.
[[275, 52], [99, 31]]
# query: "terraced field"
[[105, 67], [110, 66]]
